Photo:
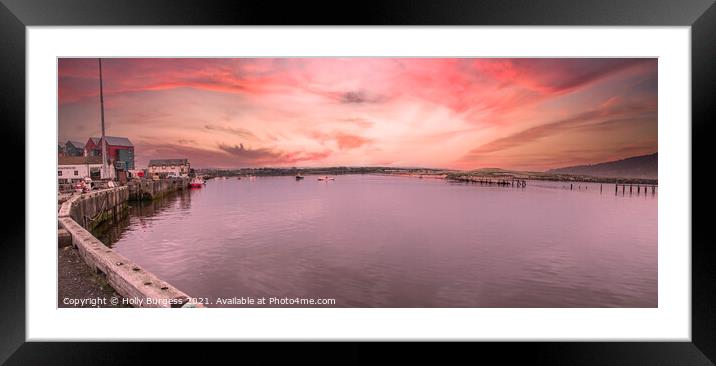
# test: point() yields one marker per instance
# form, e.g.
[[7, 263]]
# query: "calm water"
[[381, 241]]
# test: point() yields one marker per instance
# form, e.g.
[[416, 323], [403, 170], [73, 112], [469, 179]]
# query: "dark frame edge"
[[703, 256], [12, 109]]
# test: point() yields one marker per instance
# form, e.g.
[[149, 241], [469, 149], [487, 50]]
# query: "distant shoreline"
[[490, 173]]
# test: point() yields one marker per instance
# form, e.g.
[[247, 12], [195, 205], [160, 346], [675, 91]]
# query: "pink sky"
[[531, 114]]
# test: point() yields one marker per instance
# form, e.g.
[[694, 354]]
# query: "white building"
[[164, 167], [72, 169]]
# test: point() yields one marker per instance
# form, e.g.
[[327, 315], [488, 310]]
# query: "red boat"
[[196, 182]]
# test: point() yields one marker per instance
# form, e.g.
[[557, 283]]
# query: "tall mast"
[[101, 103]]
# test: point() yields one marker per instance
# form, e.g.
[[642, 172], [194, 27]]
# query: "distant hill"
[[645, 167]]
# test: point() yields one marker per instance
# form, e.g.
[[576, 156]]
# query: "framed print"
[[492, 173]]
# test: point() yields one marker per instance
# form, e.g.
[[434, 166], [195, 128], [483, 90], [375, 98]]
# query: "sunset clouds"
[[453, 113]]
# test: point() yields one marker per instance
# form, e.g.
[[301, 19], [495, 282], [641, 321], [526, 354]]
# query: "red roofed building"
[[120, 151], [92, 147]]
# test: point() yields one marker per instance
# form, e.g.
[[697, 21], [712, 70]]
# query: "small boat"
[[196, 182], [299, 177], [326, 178]]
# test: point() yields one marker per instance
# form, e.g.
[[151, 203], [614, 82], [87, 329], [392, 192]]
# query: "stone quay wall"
[[147, 189], [83, 212]]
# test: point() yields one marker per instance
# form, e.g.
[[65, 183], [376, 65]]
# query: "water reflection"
[[140, 214], [384, 241]]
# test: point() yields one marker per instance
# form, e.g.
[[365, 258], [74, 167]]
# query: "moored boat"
[[196, 182]]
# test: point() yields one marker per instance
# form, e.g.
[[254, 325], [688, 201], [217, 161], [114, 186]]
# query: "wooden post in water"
[[570, 186]]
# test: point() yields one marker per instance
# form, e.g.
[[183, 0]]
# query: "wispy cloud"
[[269, 157], [451, 112], [359, 97], [232, 130], [343, 140]]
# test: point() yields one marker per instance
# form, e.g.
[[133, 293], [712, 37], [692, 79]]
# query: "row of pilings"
[[634, 188], [622, 188], [484, 181]]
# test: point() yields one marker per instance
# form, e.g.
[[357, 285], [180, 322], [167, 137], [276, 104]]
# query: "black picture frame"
[[700, 15]]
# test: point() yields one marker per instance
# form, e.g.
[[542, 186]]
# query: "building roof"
[[76, 144], [79, 160], [156, 162], [114, 141]]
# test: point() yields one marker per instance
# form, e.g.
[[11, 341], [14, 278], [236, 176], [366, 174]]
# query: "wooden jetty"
[[485, 181], [634, 188], [630, 188]]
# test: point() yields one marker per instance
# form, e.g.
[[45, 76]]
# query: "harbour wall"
[[83, 212], [147, 189], [91, 209]]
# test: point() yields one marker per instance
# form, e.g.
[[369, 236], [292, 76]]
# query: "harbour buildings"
[[74, 148], [164, 167], [73, 169], [120, 151]]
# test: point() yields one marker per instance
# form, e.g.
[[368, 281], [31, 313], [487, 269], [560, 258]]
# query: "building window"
[[59, 173], [77, 173]]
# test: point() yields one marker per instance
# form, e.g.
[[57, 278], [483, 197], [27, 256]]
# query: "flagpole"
[[101, 103]]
